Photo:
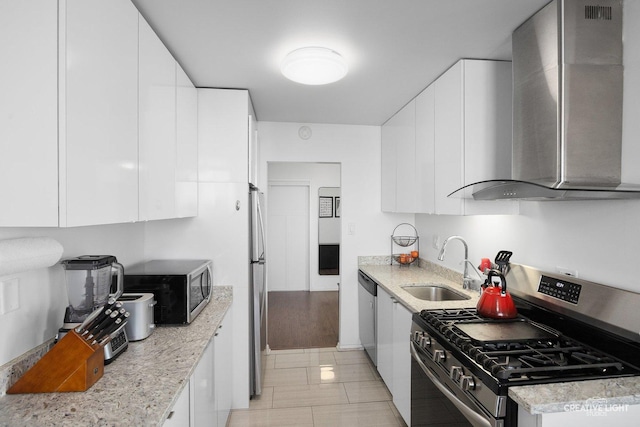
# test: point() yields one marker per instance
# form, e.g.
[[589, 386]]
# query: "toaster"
[[140, 306]]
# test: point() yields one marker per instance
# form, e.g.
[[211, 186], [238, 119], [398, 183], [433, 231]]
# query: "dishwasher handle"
[[367, 283], [474, 417]]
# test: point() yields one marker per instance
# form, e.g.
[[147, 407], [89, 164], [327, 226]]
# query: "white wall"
[[357, 149], [42, 292], [599, 239], [317, 175]]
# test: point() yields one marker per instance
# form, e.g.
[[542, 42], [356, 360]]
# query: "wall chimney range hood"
[[567, 107]]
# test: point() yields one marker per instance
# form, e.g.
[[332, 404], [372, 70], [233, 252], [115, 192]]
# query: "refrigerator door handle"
[[261, 258]]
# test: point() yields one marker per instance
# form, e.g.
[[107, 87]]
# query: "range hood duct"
[[567, 107]]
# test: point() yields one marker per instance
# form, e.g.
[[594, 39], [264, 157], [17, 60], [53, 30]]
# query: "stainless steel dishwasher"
[[367, 292]]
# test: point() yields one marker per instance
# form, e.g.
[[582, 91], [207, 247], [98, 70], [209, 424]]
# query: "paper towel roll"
[[28, 253]]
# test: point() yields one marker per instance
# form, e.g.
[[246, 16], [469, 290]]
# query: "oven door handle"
[[476, 418]]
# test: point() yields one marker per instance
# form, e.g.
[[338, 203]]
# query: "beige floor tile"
[[356, 414], [314, 394], [350, 357], [299, 417], [292, 351], [367, 391], [340, 373], [303, 360], [397, 414], [269, 362], [264, 401], [285, 377], [321, 350]]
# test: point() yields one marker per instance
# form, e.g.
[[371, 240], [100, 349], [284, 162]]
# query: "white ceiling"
[[394, 48]]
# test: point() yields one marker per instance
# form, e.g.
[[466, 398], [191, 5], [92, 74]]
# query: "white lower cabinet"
[[394, 360], [402, 361], [223, 374], [179, 415], [202, 388], [206, 400]]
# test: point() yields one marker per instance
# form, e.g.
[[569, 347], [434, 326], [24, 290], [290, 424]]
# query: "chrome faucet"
[[467, 281]]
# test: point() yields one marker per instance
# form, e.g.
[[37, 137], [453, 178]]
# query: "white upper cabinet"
[[472, 134], [388, 165], [398, 161], [186, 146], [253, 147], [98, 112], [425, 146], [29, 113], [69, 113], [157, 127], [223, 135], [456, 132], [76, 148], [405, 132]]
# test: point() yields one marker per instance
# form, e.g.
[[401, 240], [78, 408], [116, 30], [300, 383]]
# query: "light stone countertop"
[[139, 388], [535, 399], [392, 277]]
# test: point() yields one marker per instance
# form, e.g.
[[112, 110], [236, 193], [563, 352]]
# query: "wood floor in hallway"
[[302, 319]]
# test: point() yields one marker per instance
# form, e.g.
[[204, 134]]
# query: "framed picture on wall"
[[326, 207], [337, 207]]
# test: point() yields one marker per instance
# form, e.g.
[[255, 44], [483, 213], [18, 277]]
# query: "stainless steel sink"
[[433, 292]]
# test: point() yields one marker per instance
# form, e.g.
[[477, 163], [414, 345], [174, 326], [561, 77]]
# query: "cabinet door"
[[487, 149], [402, 361], [425, 160], [223, 369], [179, 415], [186, 146], [405, 134], [157, 117], [98, 112], [388, 167], [202, 390], [223, 135], [449, 135], [253, 147], [29, 113], [384, 329]]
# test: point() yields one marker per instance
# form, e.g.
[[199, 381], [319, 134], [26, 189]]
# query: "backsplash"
[[14, 369]]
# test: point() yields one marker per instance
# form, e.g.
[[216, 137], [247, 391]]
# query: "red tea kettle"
[[495, 302]]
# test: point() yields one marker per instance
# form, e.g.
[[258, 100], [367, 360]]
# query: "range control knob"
[[455, 373], [425, 341], [438, 356], [467, 383], [416, 336]]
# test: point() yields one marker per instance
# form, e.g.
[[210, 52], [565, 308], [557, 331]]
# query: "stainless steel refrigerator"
[[257, 289]]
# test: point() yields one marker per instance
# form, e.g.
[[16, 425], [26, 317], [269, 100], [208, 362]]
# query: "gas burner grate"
[[542, 358]]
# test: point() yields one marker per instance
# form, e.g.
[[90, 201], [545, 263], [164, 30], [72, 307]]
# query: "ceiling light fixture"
[[314, 66]]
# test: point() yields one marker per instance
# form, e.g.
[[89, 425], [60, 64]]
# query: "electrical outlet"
[[436, 241], [9, 296], [567, 272]]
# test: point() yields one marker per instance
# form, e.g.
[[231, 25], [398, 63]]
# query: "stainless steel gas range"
[[567, 330]]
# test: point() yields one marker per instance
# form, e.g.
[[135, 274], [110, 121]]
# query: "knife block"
[[71, 365]]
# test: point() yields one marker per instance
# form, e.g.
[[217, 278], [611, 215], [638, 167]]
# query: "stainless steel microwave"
[[181, 288]]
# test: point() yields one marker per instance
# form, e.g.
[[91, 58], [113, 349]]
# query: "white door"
[[288, 237]]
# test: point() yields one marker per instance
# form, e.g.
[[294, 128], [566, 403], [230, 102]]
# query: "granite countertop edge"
[[140, 387], [535, 399]]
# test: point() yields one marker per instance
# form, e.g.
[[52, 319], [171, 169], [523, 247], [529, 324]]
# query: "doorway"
[[303, 300]]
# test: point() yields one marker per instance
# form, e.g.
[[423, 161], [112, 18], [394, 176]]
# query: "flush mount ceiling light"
[[314, 66]]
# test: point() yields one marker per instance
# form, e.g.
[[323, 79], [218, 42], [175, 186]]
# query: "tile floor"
[[319, 387]]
